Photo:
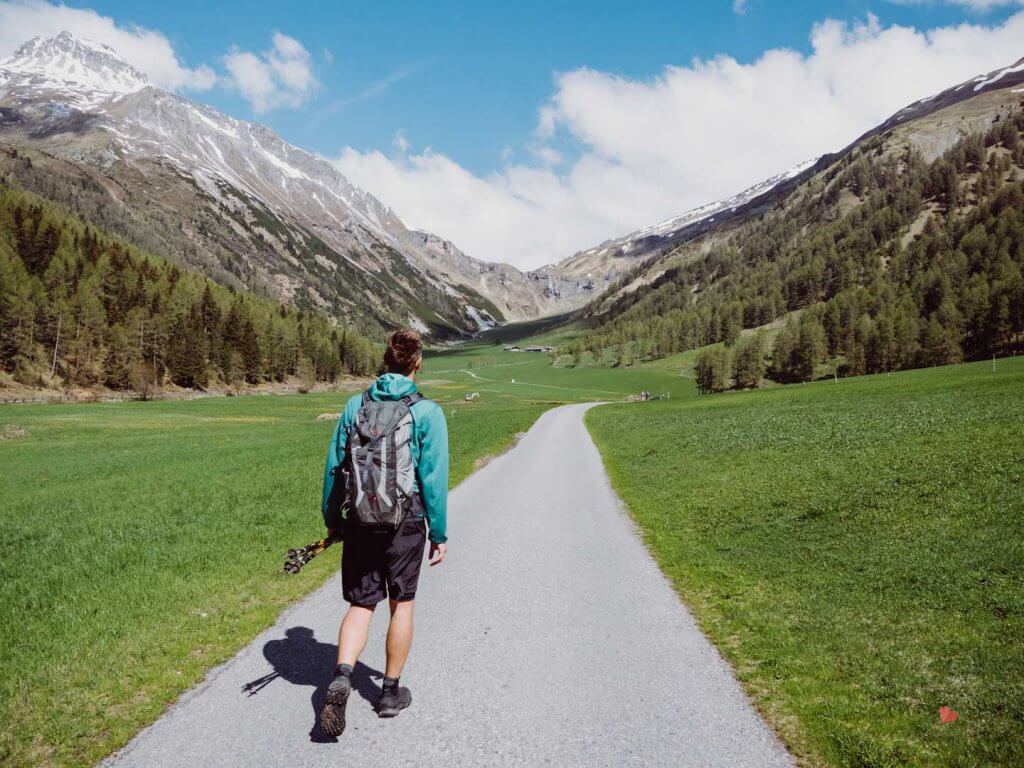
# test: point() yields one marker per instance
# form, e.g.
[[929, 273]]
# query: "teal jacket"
[[429, 449]]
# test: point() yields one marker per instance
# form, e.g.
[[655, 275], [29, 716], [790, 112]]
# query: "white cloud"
[[147, 50], [647, 150], [979, 6], [740, 6], [546, 155], [282, 76]]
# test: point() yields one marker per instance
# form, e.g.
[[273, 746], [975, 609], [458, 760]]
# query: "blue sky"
[[467, 78], [525, 131]]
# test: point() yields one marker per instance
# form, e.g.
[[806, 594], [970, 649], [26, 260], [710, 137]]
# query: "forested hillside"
[[884, 261], [79, 308]]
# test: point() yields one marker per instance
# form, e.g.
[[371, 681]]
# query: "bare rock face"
[[517, 295]]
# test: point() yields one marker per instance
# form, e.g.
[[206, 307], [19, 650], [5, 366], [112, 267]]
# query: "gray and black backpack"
[[378, 462]]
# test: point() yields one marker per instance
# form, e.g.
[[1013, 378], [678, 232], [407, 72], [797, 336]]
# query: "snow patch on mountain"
[[985, 81], [482, 318], [92, 72], [708, 211]]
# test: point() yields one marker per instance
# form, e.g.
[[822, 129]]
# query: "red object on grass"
[[947, 715]]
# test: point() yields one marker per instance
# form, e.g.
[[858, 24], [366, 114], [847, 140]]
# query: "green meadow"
[[143, 544], [495, 374], [855, 549], [143, 541]]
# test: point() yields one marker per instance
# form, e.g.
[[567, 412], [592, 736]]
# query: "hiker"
[[387, 465]]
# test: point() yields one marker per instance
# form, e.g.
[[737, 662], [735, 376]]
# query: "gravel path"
[[549, 637]]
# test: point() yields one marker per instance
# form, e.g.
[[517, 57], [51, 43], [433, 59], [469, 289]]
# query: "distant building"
[[540, 349], [511, 348]]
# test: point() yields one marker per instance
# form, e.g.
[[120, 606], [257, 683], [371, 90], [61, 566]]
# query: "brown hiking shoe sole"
[[332, 716]]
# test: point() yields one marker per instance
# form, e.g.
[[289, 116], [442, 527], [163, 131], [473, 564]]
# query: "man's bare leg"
[[399, 638], [353, 633], [393, 699]]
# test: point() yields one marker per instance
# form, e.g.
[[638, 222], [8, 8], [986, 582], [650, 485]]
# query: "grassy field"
[[497, 375], [855, 549], [143, 543]]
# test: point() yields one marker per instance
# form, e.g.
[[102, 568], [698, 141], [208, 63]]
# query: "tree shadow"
[[298, 658]]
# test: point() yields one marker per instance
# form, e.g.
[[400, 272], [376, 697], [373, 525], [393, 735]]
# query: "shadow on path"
[[299, 659]]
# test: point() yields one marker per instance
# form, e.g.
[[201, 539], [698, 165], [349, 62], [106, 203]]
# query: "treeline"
[[885, 261], [81, 308]]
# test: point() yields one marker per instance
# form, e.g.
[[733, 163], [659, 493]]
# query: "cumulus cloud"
[[147, 50], [979, 6], [282, 76], [647, 150]]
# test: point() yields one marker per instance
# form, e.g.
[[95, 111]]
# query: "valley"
[[827, 471]]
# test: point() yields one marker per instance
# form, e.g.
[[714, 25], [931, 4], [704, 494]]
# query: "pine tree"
[[252, 357], [749, 360]]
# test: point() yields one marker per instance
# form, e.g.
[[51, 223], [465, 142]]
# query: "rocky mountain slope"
[[613, 258], [83, 127], [904, 249], [545, 291]]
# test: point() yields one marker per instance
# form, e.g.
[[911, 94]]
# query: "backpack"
[[378, 462]]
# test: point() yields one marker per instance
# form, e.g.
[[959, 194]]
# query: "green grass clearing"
[[144, 540], [485, 368], [143, 544], [855, 549]]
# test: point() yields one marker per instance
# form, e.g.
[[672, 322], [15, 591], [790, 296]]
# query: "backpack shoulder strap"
[[366, 398], [415, 397]]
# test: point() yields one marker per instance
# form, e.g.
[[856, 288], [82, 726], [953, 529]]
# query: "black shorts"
[[377, 564]]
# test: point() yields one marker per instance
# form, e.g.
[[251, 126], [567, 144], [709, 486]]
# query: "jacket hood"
[[392, 386]]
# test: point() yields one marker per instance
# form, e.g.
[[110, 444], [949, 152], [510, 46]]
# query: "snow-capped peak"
[[730, 203], [68, 62]]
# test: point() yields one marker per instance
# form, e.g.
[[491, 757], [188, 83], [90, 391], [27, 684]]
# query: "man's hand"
[[437, 553]]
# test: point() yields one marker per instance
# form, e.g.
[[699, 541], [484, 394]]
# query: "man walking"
[[387, 465]]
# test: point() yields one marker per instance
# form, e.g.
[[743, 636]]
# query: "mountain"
[[904, 249], [231, 198], [543, 291], [612, 258]]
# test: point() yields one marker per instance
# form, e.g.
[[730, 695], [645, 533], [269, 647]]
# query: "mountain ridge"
[[279, 218], [613, 258], [902, 250]]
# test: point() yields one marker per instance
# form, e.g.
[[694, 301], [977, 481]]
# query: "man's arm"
[[330, 504], [433, 473]]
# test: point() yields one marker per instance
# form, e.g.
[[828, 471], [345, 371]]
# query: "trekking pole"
[[295, 559]]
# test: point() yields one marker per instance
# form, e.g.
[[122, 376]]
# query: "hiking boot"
[[393, 699], [332, 716]]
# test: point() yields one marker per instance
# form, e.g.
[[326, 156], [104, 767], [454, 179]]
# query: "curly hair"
[[405, 347]]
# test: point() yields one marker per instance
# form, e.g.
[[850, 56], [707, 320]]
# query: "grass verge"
[[143, 544], [855, 549]]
